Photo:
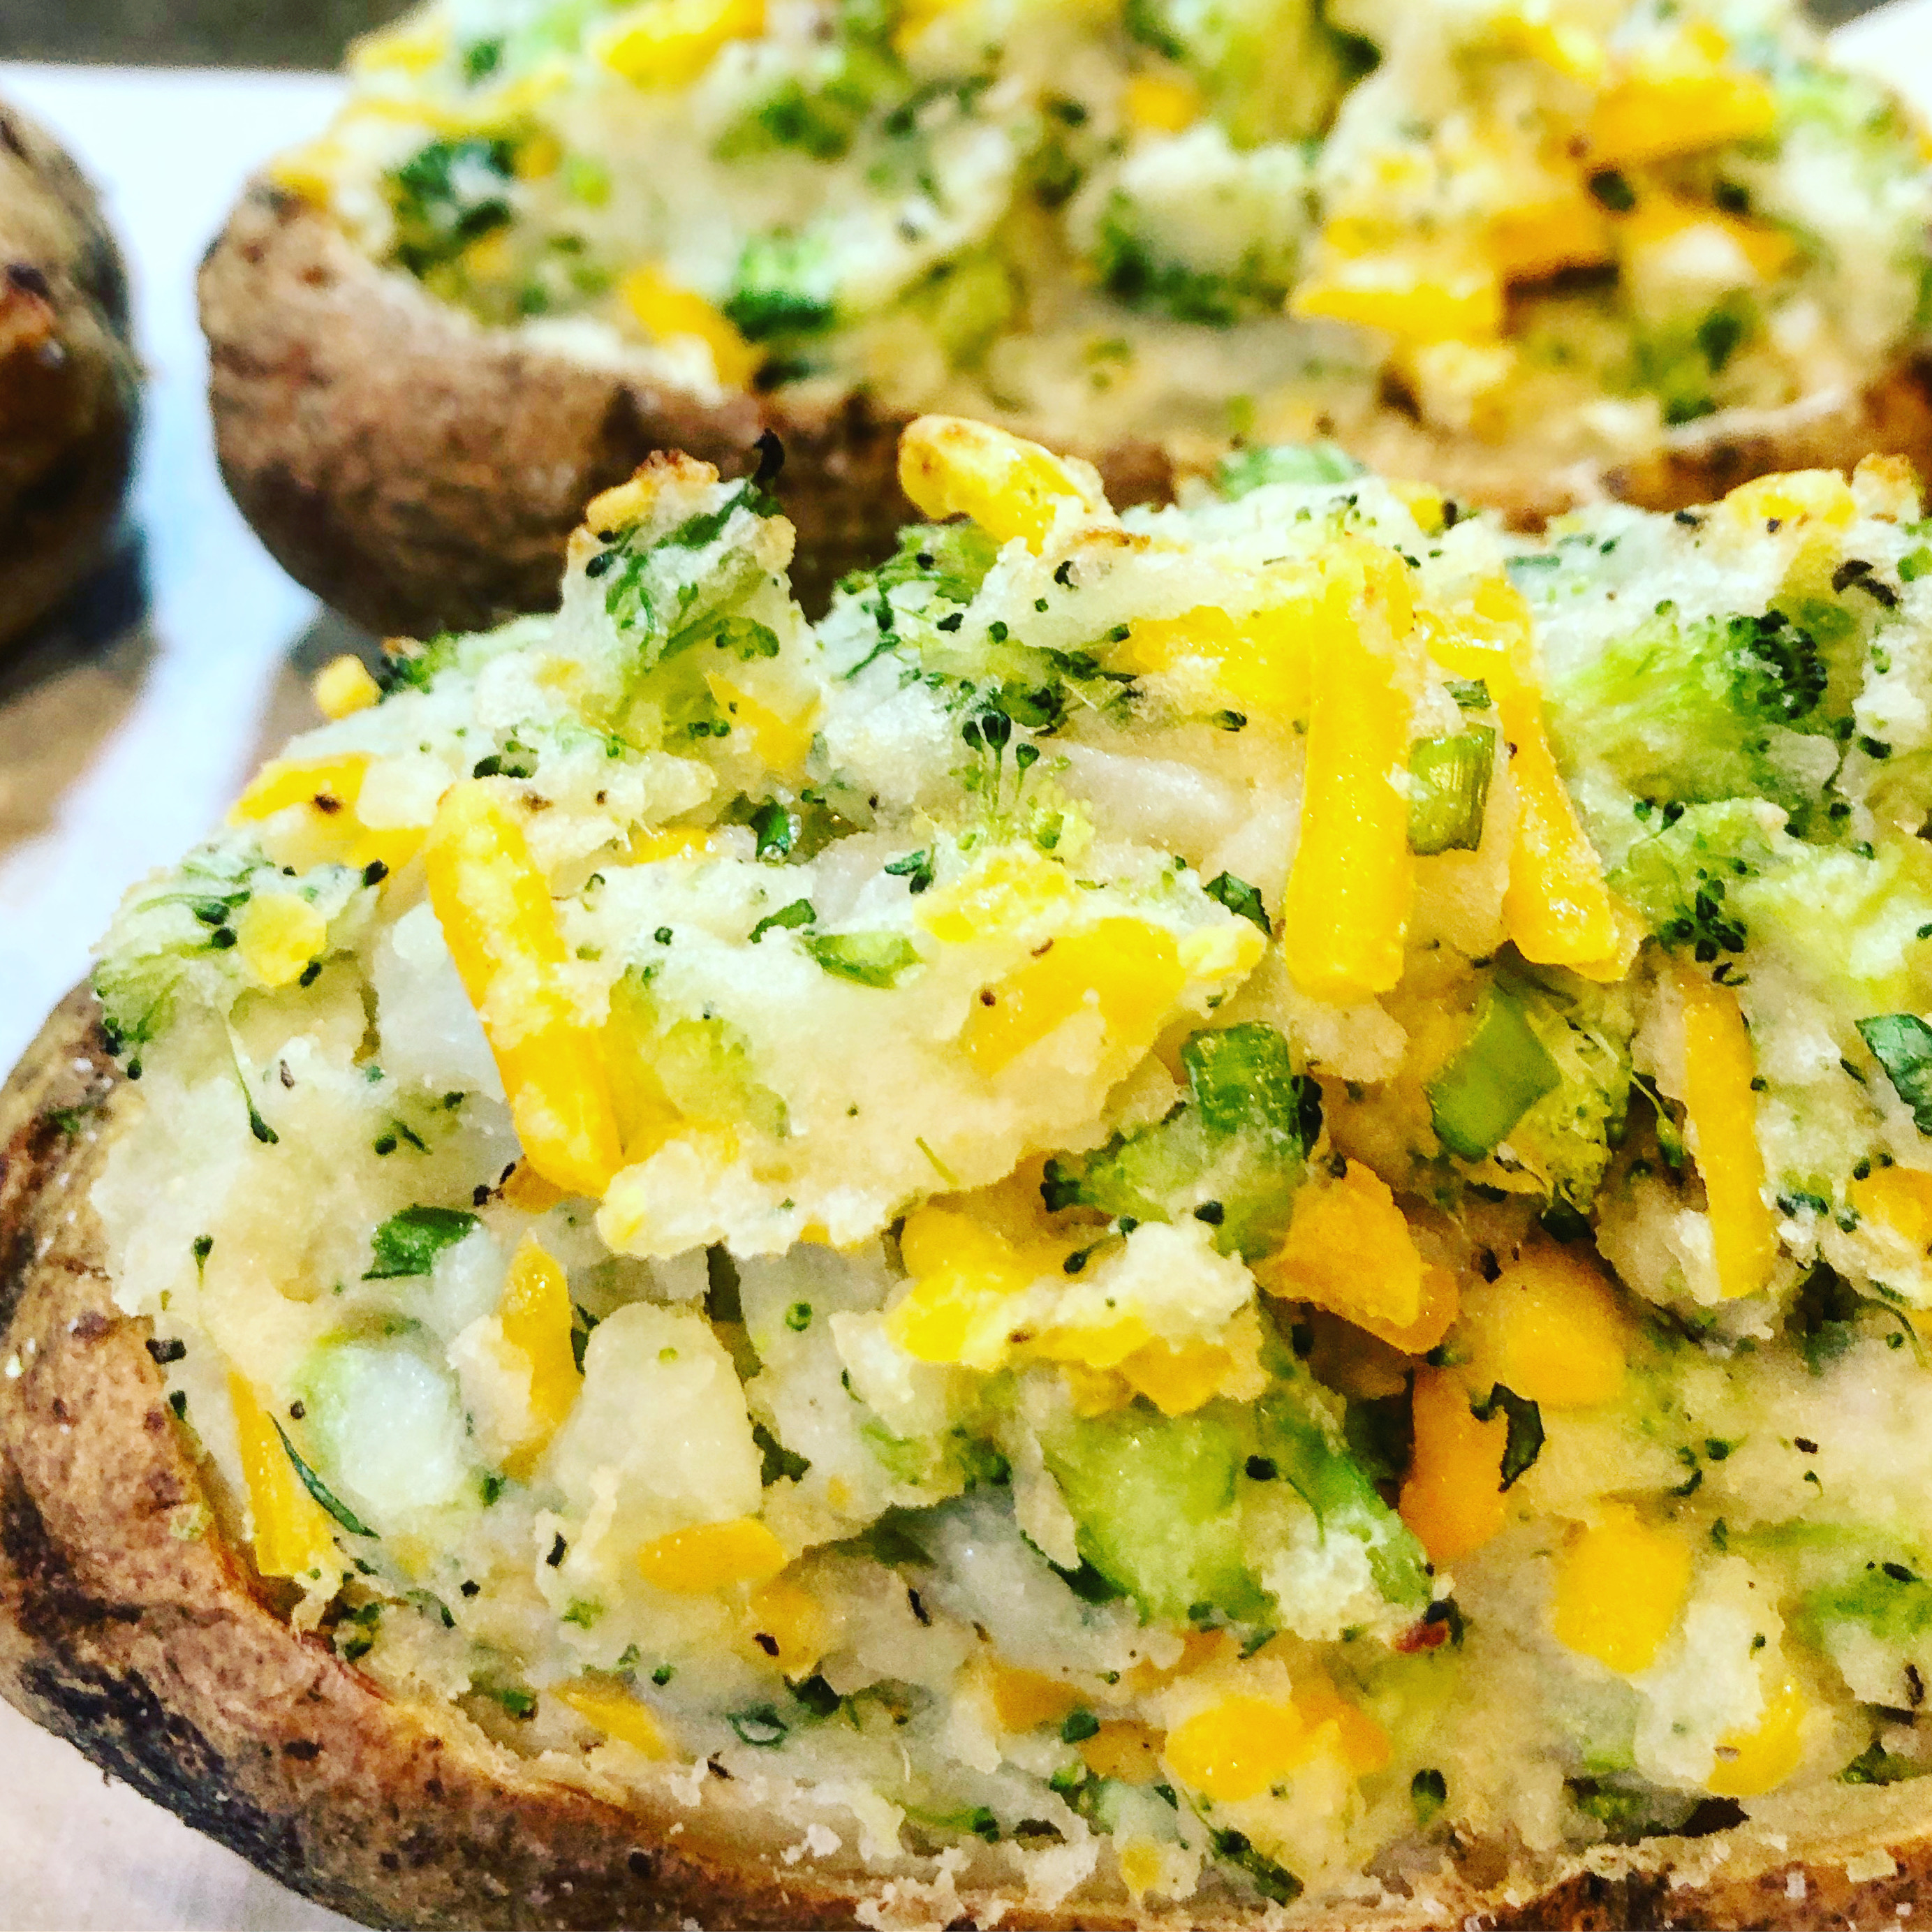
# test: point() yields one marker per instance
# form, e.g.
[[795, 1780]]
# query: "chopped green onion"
[[872, 958], [1450, 781], [1502, 1071]]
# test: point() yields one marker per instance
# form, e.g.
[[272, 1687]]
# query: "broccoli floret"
[[1715, 882], [1232, 1153], [1130, 272], [1680, 362], [666, 592], [821, 115], [1682, 877], [967, 303], [1543, 1079], [1568, 1135], [1692, 711]]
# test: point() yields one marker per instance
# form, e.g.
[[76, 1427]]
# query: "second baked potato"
[[68, 378], [1535, 255]]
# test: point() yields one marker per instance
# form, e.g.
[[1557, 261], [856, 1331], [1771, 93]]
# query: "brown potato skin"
[[69, 383], [131, 1628], [421, 472]]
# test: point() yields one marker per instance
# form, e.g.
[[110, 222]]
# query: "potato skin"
[[69, 384], [131, 1628]]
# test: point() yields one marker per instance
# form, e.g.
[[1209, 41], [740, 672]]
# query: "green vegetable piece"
[[760, 1726], [1875, 1764], [1471, 693], [872, 958], [799, 913], [447, 195], [783, 289], [953, 558], [1887, 1600], [1501, 1072], [1271, 1880], [1296, 1432], [1240, 899], [816, 1696], [1451, 780], [1247, 470], [320, 1490], [1902, 1044], [772, 825], [409, 1242], [1238, 1144], [775, 1459], [1154, 1499], [744, 637], [1523, 1443], [1428, 1792], [915, 867]]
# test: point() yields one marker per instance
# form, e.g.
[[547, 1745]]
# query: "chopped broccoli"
[[1679, 361], [1237, 1143], [1246, 469], [1158, 1500], [1680, 877], [879, 959], [447, 195], [702, 1070], [784, 288], [1567, 1137], [1276, 69], [1693, 711], [953, 558], [1130, 271]]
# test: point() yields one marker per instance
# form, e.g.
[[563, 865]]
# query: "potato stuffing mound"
[[1573, 226], [1196, 1201]]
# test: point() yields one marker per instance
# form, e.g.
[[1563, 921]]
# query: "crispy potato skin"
[[130, 1626], [69, 383]]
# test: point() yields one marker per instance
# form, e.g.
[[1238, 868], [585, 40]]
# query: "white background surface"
[[115, 756]]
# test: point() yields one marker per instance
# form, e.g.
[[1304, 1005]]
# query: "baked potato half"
[[420, 470], [947, 1267], [69, 382], [1615, 253], [134, 1625]]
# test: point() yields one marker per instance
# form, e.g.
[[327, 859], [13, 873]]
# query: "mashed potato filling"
[[1572, 226], [1197, 1199]]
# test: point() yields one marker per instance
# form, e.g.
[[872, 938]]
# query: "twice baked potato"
[[1538, 257], [69, 384], [954, 1266]]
